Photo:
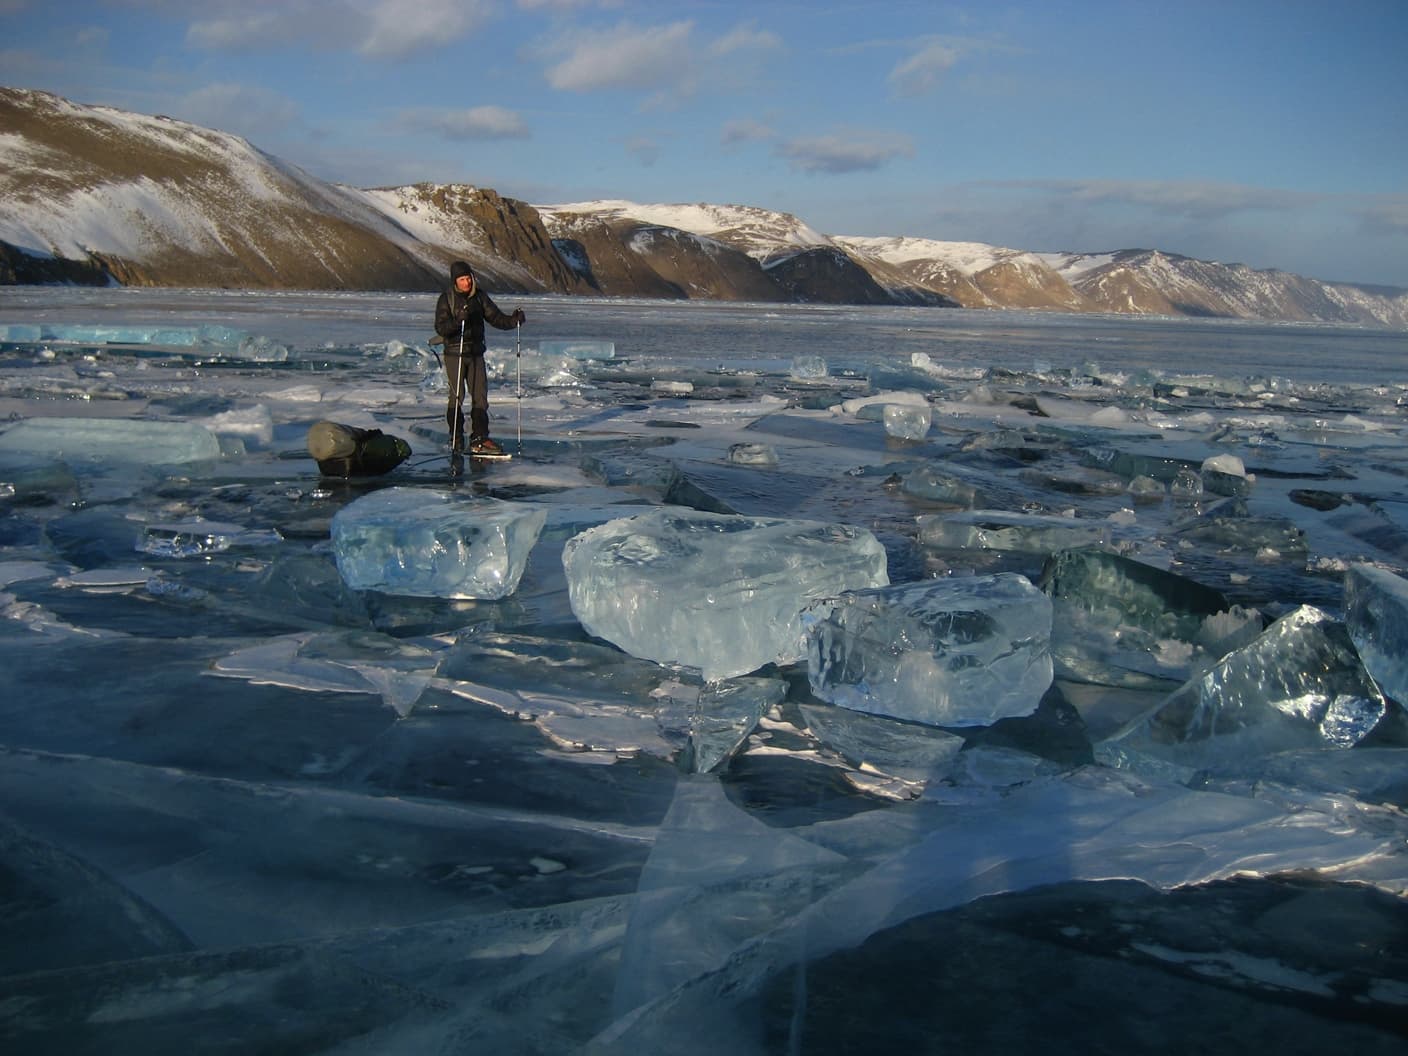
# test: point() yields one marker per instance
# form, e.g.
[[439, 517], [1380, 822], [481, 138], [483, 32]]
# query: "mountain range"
[[97, 195]]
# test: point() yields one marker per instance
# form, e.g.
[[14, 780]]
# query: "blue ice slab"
[[1001, 530], [578, 349], [88, 334], [124, 441], [1300, 684], [1376, 612], [714, 591], [948, 652], [424, 543]]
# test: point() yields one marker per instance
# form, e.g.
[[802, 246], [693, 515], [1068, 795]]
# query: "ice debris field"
[[797, 658]]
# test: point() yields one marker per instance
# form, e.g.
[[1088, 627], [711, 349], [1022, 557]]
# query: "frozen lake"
[[247, 804]]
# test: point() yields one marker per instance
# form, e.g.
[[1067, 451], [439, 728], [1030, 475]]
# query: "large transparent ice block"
[[949, 652], [1376, 612], [719, 592], [434, 544], [1300, 684], [1120, 622]]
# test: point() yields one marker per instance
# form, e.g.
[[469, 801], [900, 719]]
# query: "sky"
[[1272, 133]]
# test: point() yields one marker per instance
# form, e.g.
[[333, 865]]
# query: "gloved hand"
[[519, 317]]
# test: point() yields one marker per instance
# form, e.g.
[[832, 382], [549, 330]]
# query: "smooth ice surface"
[[248, 804], [949, 652], [1376, 612], [434, 544], [110, 440], [717, 592]]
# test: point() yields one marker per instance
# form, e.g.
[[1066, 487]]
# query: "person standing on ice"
[[460, 314]]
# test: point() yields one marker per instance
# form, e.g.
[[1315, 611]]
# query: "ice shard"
[[718, 592], [906, 421], [1376, 612], [1300, 684], [720, 719], [578, 349], [195, 538], [752, 454], [1228, 525], [428, 543], [123, 441], [877, 743], [948, 652], [928, 483], [1028, 533], [1120, 622]]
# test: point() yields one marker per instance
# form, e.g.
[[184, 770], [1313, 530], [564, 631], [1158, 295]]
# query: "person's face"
[[463, 283]]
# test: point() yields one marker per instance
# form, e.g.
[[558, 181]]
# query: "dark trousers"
[[467, 373]]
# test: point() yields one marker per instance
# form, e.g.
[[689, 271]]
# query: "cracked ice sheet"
[[1092, 824], [239, 863]]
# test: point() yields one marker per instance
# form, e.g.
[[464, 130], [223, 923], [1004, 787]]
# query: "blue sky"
[[1270, 133]]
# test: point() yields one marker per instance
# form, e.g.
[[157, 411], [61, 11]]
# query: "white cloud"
[[644, 149], [746, 130], [842, 152], [566, 5], [921, 72], [91, 37], [1386, 215], [247, 110], [253, 28], [478, 122], [1194, 200], [400, 28], [745, 38], [651, 57], [379, 29], [670, 61]]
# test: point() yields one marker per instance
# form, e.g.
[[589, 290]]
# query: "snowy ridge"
[[966, 258], [96, 194], [761, 233]]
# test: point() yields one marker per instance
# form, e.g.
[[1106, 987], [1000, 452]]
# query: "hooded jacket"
[[463, 315]]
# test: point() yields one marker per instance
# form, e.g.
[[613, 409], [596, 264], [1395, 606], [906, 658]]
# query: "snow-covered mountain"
[[93, 194]]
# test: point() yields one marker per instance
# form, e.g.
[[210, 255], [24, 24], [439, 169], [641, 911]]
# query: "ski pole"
[[457, 433], [518, 359]]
